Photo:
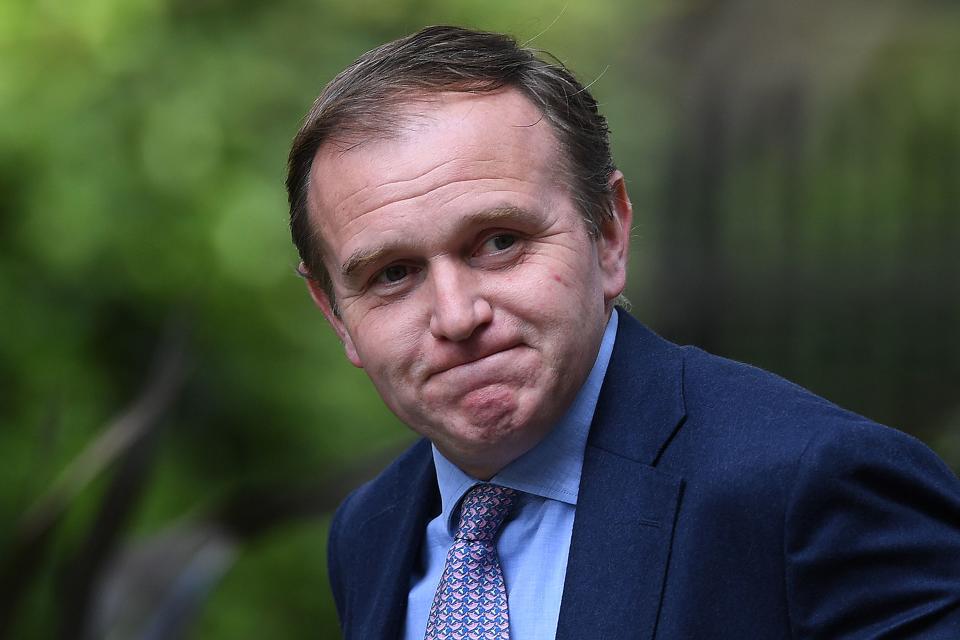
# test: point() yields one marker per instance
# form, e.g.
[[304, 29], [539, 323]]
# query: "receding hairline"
[[395, 114]]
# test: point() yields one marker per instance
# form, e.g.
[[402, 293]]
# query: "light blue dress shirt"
[[535, 541]]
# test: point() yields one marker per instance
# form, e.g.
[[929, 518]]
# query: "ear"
[[613, 243], [323, 302]]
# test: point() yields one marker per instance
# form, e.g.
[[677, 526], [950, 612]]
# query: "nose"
[[459, 308]]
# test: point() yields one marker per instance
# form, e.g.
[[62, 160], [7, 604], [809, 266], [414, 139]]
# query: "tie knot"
[[483, 510]]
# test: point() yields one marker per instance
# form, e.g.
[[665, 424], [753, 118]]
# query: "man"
[[464, 230]]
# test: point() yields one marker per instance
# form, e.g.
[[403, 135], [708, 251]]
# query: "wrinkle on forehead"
[[371, 197], [430, 181], [437, 197]]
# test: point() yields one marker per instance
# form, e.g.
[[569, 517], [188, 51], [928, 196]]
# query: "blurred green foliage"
[[797, 189]]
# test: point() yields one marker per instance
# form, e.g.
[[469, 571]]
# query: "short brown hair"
[[363, 100]]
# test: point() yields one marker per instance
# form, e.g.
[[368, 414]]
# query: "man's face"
[[468, 286]]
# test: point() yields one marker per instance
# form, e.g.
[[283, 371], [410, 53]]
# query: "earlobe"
[[614, 240], [326, 306]]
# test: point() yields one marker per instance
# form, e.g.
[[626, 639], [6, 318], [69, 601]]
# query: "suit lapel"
[[391, 542], [626, 507], [619, 550]]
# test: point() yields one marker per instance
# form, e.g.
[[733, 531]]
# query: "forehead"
[[449, 145]]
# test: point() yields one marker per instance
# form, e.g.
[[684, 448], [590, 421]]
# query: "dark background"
[[176, 420]]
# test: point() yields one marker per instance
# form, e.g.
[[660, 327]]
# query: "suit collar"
[[641, 402], [623, 527]]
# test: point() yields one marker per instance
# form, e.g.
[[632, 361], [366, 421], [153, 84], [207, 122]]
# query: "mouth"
[[468, 361]]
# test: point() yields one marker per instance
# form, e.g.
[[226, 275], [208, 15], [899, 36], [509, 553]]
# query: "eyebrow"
[[362, 258]]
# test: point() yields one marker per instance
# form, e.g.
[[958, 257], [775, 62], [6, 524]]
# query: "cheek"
[[568, 286], [568, 270], [542, 299], [387, 342]]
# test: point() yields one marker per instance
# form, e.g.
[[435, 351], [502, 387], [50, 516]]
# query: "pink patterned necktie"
[[471, 599]]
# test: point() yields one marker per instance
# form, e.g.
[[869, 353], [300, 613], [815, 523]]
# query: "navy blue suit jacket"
[[716, 501]]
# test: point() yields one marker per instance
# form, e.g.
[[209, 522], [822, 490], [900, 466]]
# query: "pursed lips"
[[468, 358]]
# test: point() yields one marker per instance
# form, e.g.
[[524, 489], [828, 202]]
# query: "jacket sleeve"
[[872, 538]]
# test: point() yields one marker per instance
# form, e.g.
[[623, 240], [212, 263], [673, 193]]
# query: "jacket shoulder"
[[869, 516], [376, 495], [725, 397]]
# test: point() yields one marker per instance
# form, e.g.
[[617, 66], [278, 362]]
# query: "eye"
[[498, 242], [394, 273]]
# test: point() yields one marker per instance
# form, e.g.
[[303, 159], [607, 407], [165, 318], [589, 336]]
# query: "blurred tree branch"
[[126, 440]]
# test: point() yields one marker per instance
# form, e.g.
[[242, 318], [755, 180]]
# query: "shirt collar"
[[552, 468]]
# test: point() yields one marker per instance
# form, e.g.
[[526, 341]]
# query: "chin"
[[490, 410]]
